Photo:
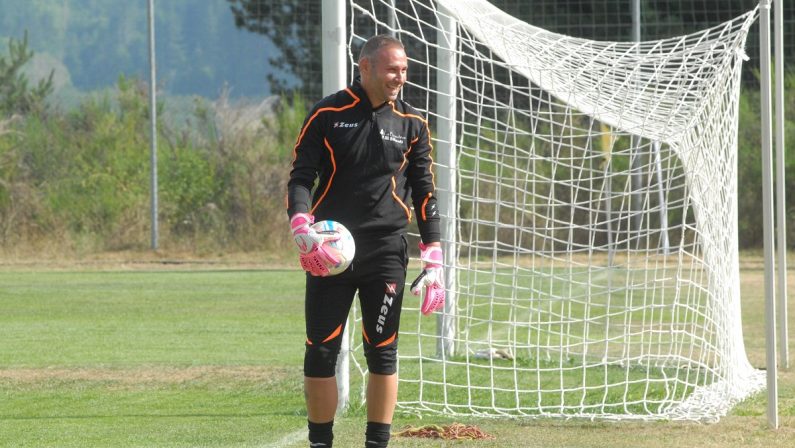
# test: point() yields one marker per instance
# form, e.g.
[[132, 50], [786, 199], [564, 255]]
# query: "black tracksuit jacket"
[[368, 163]]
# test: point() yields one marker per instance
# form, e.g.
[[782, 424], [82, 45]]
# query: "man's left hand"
[[431, 277]]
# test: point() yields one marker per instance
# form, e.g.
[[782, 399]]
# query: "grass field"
[[165, 356]]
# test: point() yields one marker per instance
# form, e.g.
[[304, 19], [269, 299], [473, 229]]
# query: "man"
[[370, 153]]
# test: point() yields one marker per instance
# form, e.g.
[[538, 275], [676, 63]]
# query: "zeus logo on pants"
[[385, 306]]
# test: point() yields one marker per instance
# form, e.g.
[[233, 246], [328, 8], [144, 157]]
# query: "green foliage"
[[81, 180], [495, 159], [16, 97], [189, 188], [749, 163]]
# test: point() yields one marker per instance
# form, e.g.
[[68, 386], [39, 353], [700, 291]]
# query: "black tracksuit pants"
[[378, 273]]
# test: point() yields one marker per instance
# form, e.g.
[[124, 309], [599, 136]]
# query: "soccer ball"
[[343, 249]]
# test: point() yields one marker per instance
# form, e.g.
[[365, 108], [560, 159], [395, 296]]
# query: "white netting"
[[595, 220]]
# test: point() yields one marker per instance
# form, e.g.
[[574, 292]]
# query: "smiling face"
[[384, 74]]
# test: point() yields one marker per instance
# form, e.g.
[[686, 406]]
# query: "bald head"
[[377, 43]]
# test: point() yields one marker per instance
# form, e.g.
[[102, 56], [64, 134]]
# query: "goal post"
[[589, 199], [781, 207], [767, 205], [335, 71], [446, 70]]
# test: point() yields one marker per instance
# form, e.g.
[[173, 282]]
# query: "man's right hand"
[[313, 256]]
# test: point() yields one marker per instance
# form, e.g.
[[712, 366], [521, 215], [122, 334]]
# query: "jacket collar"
[[356, 88]]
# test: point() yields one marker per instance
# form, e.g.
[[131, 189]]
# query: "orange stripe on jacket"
[[425, 122], [408, 115], [308, 122], [394, 182], [330, 179], [406, 154], [424, 204], [394, 195], [430, 167]]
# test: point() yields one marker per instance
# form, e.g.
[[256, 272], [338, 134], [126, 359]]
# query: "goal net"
[[590, 219]]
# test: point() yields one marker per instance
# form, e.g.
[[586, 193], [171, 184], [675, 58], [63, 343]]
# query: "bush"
[[749, 164], [80, 181]]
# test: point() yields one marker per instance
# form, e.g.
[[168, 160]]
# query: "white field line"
[[290, 439]]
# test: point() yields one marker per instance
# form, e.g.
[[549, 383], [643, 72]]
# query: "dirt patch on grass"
[[48, 259], [143, 260], [151, 374]]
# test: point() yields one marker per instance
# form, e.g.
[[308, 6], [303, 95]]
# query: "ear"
[[364, 67]]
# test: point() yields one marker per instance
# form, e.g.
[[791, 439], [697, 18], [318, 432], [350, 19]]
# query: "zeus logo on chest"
[[342, 124]]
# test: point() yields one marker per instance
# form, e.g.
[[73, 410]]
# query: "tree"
[[294, 28], [16, 97]]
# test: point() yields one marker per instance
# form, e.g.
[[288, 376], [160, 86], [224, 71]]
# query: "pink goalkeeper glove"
[[313, 256], [431, 277]]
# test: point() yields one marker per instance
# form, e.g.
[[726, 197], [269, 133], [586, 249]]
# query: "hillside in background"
[[90, 43]]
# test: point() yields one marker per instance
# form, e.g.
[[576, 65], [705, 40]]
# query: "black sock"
[[320, 434], [377, 435]]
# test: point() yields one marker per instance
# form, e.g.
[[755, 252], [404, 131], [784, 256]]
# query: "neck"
[[375, 100], [378, 106]]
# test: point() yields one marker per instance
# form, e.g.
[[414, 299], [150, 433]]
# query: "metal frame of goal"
[[337, 57]]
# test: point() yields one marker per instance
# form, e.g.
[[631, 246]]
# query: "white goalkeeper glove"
[[431, 277], [313, 256]]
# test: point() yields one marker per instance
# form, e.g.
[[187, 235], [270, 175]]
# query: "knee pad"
[[381, 360], [320, 360]]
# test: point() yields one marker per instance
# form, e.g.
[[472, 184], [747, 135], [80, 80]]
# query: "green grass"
[[219, 411], [549, 317], [544, 386], [149, 358], [168, 358], [132, 318]]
